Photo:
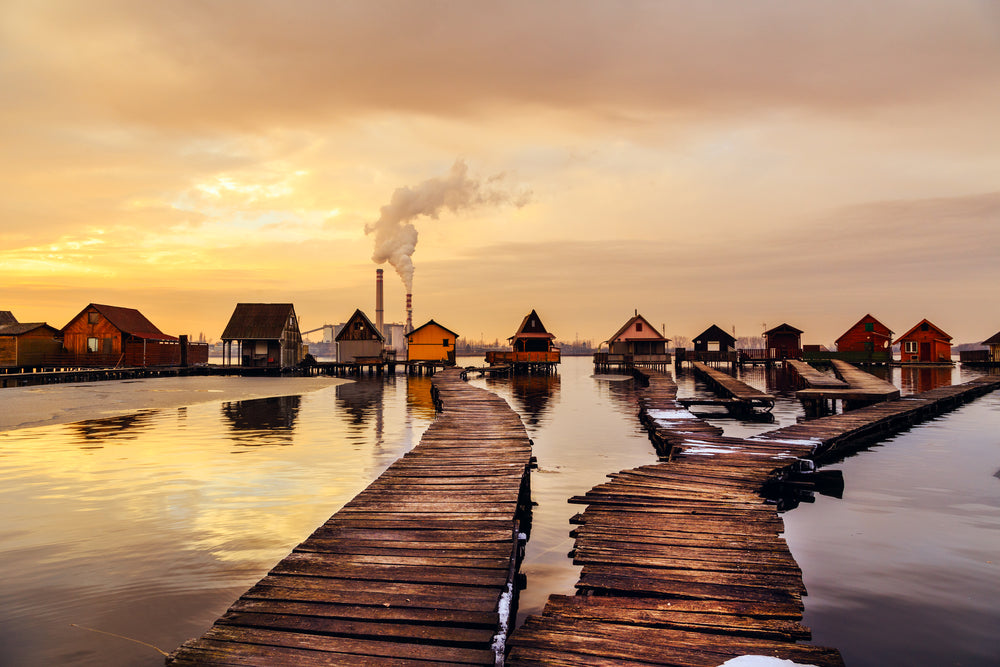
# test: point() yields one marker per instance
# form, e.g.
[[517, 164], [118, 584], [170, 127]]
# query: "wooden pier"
[[739, 397], [420, 567], [855, 388], [683, 563]]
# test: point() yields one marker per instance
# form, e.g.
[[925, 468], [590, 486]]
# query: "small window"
[[93, 345], [869, 326], [638, 326], [93, 318], [909, 346], [444, 342], [925, 327]]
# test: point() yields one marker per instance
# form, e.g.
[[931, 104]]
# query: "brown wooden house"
[[28, 344], [266, 335], [925, 343], [714, 339], [638, 342], [784, 342], [531, 344], [102, 335], [360, 341], [993, 343], [867, 335]]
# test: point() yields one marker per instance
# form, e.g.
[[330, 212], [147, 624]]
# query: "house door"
[[925, 352]]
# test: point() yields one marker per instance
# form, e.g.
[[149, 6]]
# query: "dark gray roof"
[[258, 321], [22, 328], [7, 317]]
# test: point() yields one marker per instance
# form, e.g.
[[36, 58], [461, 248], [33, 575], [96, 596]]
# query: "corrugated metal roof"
[[129, 321], [258, 321]]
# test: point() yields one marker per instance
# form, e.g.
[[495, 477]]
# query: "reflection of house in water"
[[533, 393], [263, 421], [122, 427], [916, 379], [360, 401], [418, 396]]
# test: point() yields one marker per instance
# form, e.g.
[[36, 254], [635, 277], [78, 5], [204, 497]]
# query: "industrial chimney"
[[379, 315], [409, 313]]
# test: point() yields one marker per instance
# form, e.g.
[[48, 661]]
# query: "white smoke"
[[395, 235]]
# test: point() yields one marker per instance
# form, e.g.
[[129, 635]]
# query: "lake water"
[[148, 526]]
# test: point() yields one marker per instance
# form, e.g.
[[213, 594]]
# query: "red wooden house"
[[867, 335], [784, 342], [104, 335], [925, 344]]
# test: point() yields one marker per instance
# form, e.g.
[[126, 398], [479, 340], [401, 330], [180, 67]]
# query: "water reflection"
[[93, 432], [362, 401], [262, 421], [533, 393], [418, 396], [914, 380]]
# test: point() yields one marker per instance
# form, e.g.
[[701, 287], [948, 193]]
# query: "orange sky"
[[739, 163]]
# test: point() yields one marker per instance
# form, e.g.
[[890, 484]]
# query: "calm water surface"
[[150, 525]]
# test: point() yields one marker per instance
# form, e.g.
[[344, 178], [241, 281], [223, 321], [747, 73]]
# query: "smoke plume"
[[395, 235]]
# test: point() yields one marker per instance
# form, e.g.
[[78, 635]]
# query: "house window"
[[638, 326], [93, 318], [909, 346], [869, 326], [925, 327], [93, 345], [444, 342]]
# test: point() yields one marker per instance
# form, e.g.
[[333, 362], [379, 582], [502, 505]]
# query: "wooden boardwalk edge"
[[419, 568], [683, 562]]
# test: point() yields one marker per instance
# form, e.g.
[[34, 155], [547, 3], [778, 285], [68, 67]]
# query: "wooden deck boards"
[[411, 570], [683, 563]]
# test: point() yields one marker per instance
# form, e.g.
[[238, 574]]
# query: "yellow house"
[[431, 342]]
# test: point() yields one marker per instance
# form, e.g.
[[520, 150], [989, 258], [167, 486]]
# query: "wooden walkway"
[[682, 561], [740, 397], [419, 568], [857, 388]]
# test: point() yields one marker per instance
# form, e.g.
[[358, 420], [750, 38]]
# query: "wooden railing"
[[512, 357]]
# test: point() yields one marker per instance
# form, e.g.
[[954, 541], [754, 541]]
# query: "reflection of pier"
[[683, 562], [420, 566]]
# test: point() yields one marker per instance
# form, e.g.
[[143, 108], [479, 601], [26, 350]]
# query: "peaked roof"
[[783, 328], [7, 317], [427, 324], [715, 332], [531, 327], [637, 318], [127, 320], [364, 318], [19, 328], [992, 340], [931, 325], [867, 317], [258, 321]]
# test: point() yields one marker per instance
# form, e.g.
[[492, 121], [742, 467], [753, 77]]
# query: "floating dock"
[[683, 563], [420, 566]]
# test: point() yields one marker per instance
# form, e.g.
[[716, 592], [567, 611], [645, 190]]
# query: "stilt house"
[[867, 335], [714, 339], [28, 344], [530, 344], [638, 342], [265, 335], [360, 341], [784, 342], [994, 344], [431, 342], [102, 335], [925, 344]]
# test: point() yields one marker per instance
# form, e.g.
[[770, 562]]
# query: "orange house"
[[924, 344], [431, 342]]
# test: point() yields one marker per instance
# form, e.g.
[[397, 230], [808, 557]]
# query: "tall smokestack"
[[379, 314], [409, 313]]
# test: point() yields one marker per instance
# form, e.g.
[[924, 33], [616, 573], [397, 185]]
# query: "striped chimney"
[[409, 313], [379, 314]]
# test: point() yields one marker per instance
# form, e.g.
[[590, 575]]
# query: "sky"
[[717, 162]]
